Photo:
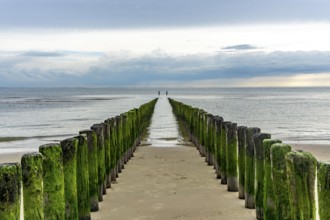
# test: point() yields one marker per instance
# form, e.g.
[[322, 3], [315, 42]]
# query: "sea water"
[[30, 117]]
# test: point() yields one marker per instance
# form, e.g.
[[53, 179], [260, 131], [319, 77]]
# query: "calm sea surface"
[[31, 117]]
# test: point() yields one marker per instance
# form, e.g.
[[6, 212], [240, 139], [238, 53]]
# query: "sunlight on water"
[[163, 129]]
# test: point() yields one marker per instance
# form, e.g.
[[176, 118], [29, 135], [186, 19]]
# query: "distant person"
[[158, 93], [166, 92]]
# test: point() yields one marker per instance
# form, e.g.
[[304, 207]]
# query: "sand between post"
[[170, 183]]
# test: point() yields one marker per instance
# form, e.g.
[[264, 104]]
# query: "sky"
[[173, 43]]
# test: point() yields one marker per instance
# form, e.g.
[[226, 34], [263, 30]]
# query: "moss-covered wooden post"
[[269, 197], [201, 133], [208, 139], [69, 149], [223, 151], [213, 142], [119, 144], [241, 136], [10, 191], [259, 169], [124, 139], [249, 186], [323, 188], [301, 173], [98, 128], [280, 186], [53, 181], [113, 141], [92, 169], [232, 182], [83, 197], [32, 186], [217, 141], [107, 159]]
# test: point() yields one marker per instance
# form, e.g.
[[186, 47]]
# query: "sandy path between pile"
[[170, 183]]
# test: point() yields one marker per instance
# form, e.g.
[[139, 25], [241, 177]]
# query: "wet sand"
[[11, 157], [320, 151]]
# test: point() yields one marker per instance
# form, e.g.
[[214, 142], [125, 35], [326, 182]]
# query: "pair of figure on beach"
[[159, 92]]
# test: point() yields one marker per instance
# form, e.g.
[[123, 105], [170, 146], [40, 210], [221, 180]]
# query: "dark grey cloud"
[[151, 13], [42, 54], [120, 69], [116, 71], [240, 47]]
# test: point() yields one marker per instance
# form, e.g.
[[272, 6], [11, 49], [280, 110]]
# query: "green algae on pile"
[[10, 188], [92, 169], [98, 128], [280, 186], [201, 132], [32, 179], [53, 181], [301, 172], [223, 151], [259, 169], [250, 168], [114, 149], [83, 196], [241, 136], [269, 199], [69, 149], [323, 188], [107, 145], [209, 136], [207, 139], [217, 151], [120, 164], [232, 182]]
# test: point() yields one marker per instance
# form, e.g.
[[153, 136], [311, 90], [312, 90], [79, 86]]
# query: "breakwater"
[[67, 180], [272, 179]]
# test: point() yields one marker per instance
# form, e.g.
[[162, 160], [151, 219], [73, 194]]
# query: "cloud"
[[35, 68], [42, 54], [122, 69], [240, 47], [241, 68]]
